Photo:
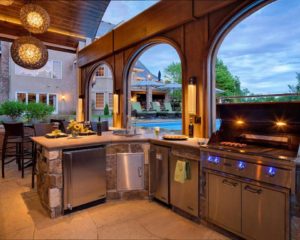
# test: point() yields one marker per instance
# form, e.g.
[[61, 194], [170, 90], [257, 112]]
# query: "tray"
[[175, 137], [62, 135]]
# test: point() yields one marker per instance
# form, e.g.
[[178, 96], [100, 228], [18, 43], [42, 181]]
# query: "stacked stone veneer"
[[50, 176], [4, 71]]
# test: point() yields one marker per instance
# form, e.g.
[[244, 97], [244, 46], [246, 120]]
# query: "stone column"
[[148, 97], [4, 71]]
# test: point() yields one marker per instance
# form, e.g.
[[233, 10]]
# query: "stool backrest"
[[61, 124], [41, 129], [14, 129]]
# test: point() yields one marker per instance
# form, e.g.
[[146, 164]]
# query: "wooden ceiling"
[[71, 21]]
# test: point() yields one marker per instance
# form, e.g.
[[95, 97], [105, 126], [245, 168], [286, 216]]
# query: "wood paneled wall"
[[190, 26]]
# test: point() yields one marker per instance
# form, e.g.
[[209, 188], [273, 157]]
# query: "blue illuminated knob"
[[241, 165], [216, 160], [271, 171], [210, 159]]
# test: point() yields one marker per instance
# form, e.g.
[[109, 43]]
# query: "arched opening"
[[100, 94], [226, 85], [154, 90]]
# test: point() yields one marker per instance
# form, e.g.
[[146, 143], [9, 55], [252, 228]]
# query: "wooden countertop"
[[107, 138]]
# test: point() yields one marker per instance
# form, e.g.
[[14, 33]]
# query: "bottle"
[[191, 128], [99, 127]]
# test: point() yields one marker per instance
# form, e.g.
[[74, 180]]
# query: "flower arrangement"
[[75, 128]]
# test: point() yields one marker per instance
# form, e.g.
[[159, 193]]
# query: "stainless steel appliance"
[[185, 196], [84, 172], [130, 171], [159, 172], [249, 167]]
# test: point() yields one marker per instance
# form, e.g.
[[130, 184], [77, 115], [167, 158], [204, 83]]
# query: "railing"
[[282, 97]]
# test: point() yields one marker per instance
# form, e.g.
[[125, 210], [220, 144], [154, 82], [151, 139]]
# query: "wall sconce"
[[116, 109], [63, 97], [192, 98]]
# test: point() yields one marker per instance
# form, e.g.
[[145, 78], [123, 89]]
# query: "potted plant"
[[37, 111], [13, 109]]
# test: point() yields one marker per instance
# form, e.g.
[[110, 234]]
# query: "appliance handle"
[[253, 190], [70, 182], [230, 183], [140, 172]]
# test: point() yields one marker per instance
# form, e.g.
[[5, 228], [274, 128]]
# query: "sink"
[[125, 133]]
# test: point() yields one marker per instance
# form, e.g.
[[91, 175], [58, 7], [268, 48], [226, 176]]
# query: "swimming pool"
[[171, 125]]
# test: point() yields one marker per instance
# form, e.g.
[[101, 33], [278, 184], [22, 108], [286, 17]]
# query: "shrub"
[[38, 111], [13, 109], [106, 110]]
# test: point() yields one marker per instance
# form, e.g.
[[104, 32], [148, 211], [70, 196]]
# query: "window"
[[99, 100], [31, 97], [21, 97], [46, 98], [100, 71], [52, 69], [110, 100]]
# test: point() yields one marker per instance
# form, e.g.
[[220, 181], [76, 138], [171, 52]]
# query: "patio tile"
[[25, 233], [125, 230], [79, 226]]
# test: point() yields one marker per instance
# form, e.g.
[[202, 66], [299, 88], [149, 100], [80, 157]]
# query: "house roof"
[[71, 21]]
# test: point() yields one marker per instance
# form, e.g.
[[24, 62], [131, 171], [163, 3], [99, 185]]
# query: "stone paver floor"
[[22, 217]]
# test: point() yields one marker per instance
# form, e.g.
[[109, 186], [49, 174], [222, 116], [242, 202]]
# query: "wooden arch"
[[196, 30]]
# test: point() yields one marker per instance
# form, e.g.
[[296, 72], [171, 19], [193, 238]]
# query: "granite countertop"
[[107, 138]]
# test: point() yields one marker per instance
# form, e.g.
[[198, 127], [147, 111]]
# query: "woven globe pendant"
[[29, 52], [34, 18]]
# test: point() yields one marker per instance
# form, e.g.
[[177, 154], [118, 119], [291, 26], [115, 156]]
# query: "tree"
[[173, 72], [295, 88], [225, 81]]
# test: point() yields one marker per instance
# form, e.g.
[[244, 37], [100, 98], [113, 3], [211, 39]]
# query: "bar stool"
[[40, 129], [15, 139]]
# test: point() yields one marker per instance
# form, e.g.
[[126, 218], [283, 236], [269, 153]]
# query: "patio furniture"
[[15, 145], [157, 107], [62, 124], [168, 107], [40, 129], [137, 111]]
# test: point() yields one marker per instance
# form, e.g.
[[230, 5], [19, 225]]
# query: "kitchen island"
[[51, 168]]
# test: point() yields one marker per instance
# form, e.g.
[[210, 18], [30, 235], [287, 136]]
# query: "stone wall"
[[50, 176], [4, 71]]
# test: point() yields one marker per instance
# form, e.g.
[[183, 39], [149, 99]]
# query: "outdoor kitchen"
[[170, 129]]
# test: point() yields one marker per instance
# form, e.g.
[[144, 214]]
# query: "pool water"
[[174, 125]]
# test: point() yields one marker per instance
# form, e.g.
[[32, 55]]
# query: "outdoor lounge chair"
[[138, 112], [163, 113], [170, 110]]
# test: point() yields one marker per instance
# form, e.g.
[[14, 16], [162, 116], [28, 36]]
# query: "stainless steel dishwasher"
[[159, 173], [84, 173]]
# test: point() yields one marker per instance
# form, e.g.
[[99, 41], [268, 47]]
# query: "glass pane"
[[21, 97], [110, 100], [99, 100], [52, 101], [31, 97], [43, 98], [57, 70]]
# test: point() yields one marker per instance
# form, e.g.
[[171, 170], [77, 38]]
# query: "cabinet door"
[[130, 171], [185, 195], [224, 202], [263, 213]]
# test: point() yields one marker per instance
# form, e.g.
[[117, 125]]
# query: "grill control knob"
[[216, 160], [210, 159], [241, 165], [271, 171]]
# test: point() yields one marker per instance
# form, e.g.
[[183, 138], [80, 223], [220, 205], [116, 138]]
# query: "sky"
[[263, 50]]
